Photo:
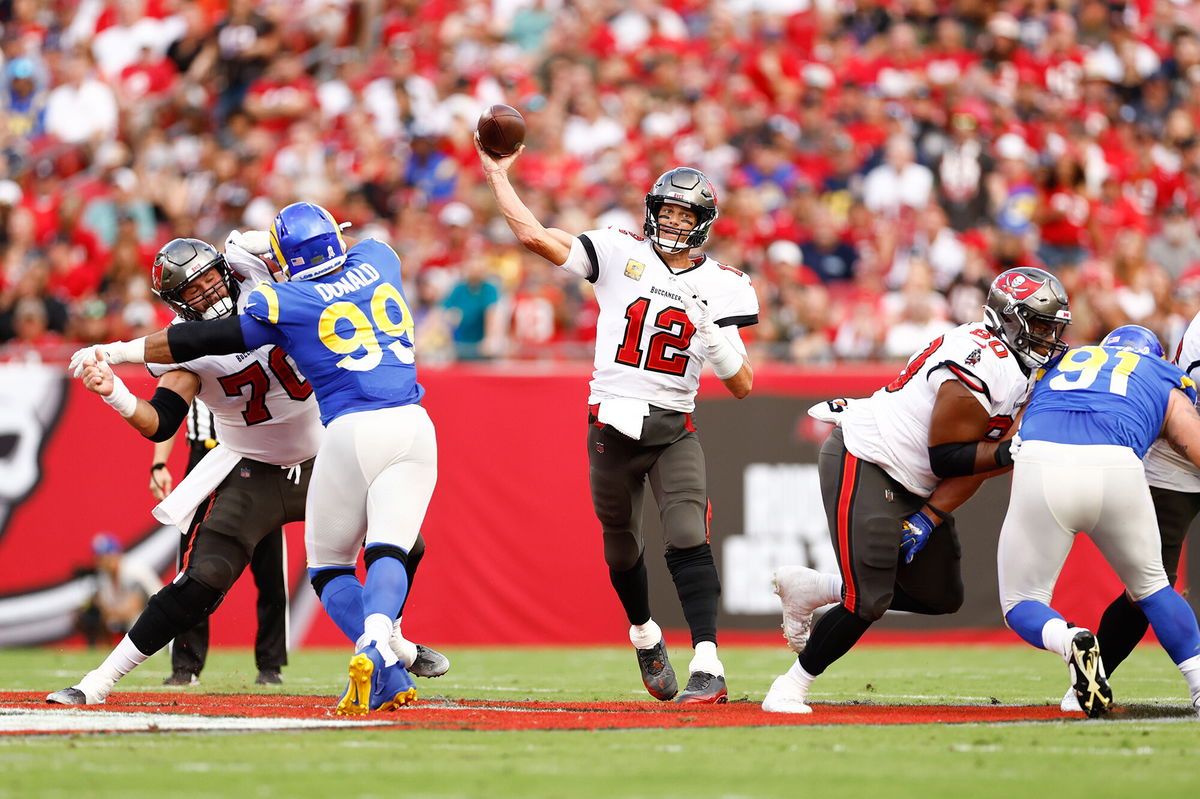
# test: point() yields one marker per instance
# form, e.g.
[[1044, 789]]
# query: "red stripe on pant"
[[846, 557]]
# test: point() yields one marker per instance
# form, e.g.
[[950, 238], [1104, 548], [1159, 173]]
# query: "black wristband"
[[157, 466], [1004, 454]]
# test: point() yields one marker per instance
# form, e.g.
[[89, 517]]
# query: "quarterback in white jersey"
[[664, 312], [900, 461]]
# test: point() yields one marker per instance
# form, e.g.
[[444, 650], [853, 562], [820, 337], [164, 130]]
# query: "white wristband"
[[127, 351], [726, 361], [121, 399]]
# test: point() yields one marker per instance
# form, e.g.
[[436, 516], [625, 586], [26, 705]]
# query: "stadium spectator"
[[472, 306], [123, 586]]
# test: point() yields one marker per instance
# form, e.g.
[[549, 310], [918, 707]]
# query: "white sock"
[[1191, 672], [800, 677], [1056, 637], [405, 649], [706, 660], [832, 585], [644, 636], [377, 628], [98, 683]]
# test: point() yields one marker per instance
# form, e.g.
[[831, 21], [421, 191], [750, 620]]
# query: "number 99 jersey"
[[350, 332], [1104, 395]]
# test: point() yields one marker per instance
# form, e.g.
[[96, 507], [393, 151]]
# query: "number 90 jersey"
[[350, 332], [646, 348], [891, 428], [1104, 395]]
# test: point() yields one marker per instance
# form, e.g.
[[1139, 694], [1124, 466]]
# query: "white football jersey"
[[891, 427], [645, 345], [263, 407], [1166, 468]]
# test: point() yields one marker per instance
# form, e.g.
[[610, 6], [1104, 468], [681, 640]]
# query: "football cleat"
[[69, 696], [657, 674], [1087, 675], [786, 696], [429, 663], [800, 592], [703, 689], [182, 677], [268, 677], [1070, 702], [374, 686]]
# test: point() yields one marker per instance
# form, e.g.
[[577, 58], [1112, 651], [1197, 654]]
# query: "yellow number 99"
[[363, 337]]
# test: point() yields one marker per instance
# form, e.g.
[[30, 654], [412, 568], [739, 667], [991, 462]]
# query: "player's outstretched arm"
[[958, 423], [182, 342], [551, 243], [157, 419], [1181, 427]]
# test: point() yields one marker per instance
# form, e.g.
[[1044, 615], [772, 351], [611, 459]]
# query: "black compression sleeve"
[[956, 459], [172, 409], [192, 340]]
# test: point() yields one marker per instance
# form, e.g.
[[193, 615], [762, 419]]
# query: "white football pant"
[[1059, 490], [371, 482]]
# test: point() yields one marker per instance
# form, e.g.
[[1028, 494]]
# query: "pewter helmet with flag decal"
[[1028, 310], [691, 189], [182, 262]]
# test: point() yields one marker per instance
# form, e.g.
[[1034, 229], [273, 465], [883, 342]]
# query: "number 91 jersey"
[[646, 348], [350, 332], [891, 427], [1104, 395]]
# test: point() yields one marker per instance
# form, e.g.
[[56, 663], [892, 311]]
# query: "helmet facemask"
[[1034, 338]]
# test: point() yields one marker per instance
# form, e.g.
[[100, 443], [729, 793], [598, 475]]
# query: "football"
[[501, 130]]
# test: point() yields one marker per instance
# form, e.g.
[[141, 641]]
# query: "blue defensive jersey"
[[1102, 395], [351, 332]]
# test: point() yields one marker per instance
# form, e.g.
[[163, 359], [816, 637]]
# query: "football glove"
[[914, 535]]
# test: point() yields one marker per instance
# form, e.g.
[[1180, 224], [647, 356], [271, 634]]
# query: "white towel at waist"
[[180, 505], [627, 415]]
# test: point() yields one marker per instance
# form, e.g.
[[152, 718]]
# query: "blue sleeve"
[[258, 333]]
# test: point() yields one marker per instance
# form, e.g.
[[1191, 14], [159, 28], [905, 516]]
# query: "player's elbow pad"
[[192, 340], [956, 459], [172, 409]]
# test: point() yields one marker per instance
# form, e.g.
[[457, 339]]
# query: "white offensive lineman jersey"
[[645, 347], [891, 427], [263, 407], [1166, 468]]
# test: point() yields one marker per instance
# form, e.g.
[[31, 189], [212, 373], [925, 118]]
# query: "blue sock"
[[1028, 618], [342, 599], [1174, 623], [386, 587]]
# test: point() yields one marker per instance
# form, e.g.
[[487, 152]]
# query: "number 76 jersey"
[[350, 332]]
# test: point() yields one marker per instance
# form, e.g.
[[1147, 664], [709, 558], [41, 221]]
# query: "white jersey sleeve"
[[1166, 468], [891, 427], [247, 266]]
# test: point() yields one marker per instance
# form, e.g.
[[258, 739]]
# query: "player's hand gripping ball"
[[501, 130]]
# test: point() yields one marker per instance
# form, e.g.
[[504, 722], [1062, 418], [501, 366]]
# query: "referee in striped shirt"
[[267, 565]]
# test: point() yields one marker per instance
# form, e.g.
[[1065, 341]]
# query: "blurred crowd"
[[877, 161]]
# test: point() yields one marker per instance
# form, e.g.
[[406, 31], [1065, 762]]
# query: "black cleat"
[[182, 677], [429, 663], [657, 674], [268, 677], [704, 689], [1087, 675]]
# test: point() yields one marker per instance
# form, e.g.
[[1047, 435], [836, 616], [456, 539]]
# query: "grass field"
[[1118, 756]]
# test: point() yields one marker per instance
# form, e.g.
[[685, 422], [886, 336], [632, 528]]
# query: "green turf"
[[1061, 759]]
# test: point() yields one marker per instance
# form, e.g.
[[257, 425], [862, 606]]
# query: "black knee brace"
[[177, 608], [323, 578], [377, 551]]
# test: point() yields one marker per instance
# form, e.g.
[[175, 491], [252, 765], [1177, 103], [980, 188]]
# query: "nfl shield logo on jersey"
[[244, 471], [634, 269]]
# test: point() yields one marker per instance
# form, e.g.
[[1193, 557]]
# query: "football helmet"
[[1028, 310], [1136, 338], [307, 242], [691, 189], [179, 264]]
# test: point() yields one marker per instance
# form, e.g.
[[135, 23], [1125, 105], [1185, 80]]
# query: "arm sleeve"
[[192, 340], [580, 261], [171, 409], [741, 309]]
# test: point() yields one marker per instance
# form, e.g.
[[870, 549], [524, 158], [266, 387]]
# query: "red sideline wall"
[[514, 553]]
